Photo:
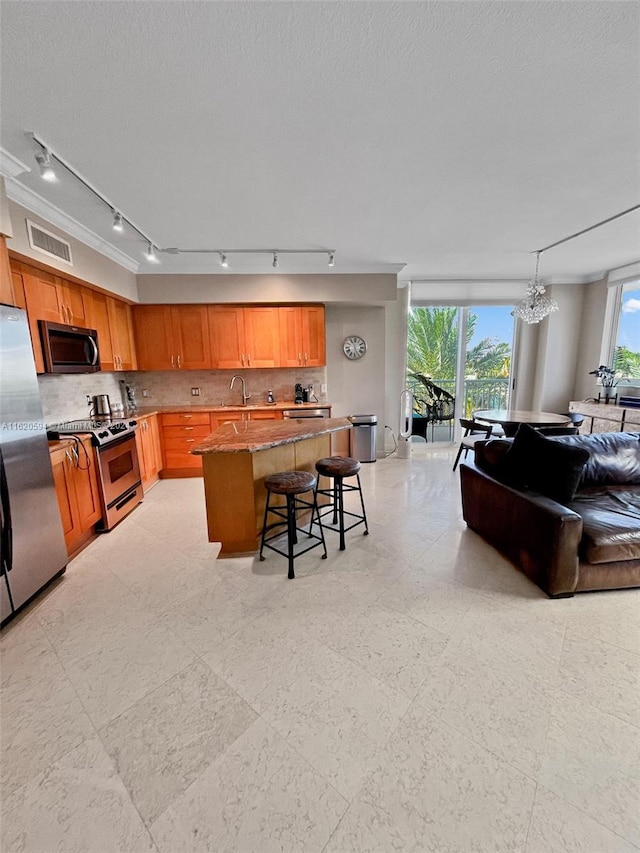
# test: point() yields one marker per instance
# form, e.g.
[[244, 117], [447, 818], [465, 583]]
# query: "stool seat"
[[290, 482], [337, 466]]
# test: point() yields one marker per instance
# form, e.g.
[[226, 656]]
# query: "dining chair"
[[558, 430], [473, 431]]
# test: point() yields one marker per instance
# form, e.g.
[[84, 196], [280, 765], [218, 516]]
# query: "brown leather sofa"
[[569, 526]]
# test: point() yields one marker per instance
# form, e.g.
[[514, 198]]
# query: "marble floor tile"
[[436, 790], [389, 645], [592, 760], [495, 704], [338, 717], [40, 723], [264, 658], [604, 675], [77, 805], [557, 827], [260, 796], [114, 678], [168, 739], [245, 713]]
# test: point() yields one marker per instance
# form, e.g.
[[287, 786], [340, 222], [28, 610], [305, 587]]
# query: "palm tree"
[[432, 341]]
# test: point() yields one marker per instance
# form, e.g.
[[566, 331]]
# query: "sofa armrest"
[[536, 533]]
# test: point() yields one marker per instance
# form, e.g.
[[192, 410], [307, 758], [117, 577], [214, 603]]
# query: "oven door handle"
[[94, 360]]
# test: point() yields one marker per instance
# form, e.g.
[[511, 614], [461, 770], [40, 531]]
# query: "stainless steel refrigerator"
[[32, 548]]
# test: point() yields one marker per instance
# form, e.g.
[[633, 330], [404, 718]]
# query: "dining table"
[[510, 419]]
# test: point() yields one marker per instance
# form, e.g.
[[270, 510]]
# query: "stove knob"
[[133, 423], [103, 434]]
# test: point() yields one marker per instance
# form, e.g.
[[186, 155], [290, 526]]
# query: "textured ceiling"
[[454, 137]]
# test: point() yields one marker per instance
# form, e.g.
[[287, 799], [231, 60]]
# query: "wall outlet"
[[323, 388], [145, 392], [195, 392]]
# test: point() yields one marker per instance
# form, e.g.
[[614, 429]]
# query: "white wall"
[[591, 334], [357, 387], [88, 264]]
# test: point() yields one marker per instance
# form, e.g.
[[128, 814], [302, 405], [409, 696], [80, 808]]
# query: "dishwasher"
[[289, 414]]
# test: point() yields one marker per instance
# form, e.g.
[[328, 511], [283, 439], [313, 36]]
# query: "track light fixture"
[[46, 159], [47, 172], [151, 255]]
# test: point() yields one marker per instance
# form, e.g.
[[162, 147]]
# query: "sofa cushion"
[[614, 459], [610, 523], [544, 464]]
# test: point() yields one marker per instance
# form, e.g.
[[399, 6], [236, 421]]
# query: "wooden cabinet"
[[149, 450], [243, 337], [121, 328], [52, 298], [180, 432], [77, 490], [302, 336], [112, 320], [172, 337], [7, 295]]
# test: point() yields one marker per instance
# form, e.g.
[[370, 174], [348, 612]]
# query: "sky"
[[629, 329], [494, 321]]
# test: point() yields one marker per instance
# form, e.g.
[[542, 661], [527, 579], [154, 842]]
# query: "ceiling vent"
[[47, 243]]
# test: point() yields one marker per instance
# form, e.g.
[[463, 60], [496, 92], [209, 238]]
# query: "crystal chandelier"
[[536, 305]]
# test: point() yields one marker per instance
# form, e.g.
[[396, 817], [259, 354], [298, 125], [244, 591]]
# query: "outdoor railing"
[[478, 393]]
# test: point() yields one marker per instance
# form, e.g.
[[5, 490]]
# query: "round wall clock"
[[354, 347]]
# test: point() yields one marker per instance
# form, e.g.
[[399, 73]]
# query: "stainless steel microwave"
[[69, 349]]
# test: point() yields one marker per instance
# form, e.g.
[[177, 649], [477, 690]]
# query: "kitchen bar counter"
[[236, 460], [601, 417], [253, 436]]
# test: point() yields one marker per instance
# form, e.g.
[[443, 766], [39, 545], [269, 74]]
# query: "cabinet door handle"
[[186, 417], [190, 440], [242, 359], [305, 358], [249, 360], [299, 358], [188, 429], [173, 364], [179, 362]]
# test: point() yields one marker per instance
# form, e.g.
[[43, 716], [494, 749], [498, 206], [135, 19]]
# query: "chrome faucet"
[[245, 396]]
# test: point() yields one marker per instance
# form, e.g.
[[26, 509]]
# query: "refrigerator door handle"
[[6, 536]]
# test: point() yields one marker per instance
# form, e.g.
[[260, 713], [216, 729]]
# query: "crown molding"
[[10, 166], [41, 207]]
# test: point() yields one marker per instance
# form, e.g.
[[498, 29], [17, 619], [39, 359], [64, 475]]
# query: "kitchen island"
[[237, 457]]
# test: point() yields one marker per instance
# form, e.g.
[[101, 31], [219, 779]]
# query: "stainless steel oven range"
[[118, 468]]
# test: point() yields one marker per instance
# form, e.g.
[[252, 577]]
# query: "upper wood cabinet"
[[172, 337], [112, 320], [302, 336], [244, 336], [51, 298], [7, 295]]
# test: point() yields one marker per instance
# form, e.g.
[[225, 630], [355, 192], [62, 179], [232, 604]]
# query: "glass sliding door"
[[487, 358], [458, 360]]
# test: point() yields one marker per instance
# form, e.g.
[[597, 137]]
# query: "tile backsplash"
[[64, 396]]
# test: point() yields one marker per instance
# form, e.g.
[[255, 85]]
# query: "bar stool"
[[337, 468], [291, 484]]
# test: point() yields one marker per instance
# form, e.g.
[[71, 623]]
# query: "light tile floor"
[[413, 693]]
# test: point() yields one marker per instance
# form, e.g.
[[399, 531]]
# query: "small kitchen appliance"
[[101, 406], [298, 393]]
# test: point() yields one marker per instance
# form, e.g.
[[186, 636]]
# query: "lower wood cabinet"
[[181, 431], [149, 450], [76, 482]]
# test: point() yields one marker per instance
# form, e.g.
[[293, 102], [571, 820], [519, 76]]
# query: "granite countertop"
[[606, 411], [144, 411], [251, 436]]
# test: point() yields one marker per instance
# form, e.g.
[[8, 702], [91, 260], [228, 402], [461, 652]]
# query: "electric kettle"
[[100, 406]]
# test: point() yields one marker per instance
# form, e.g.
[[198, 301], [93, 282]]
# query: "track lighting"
[[275, 260], [117, 221], [331, 259], [151, 255], [223, 260], [47, 172]]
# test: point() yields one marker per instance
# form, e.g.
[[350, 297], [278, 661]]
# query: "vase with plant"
[[609, 380]]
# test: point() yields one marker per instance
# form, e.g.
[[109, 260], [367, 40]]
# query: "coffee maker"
[[298, 396]]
